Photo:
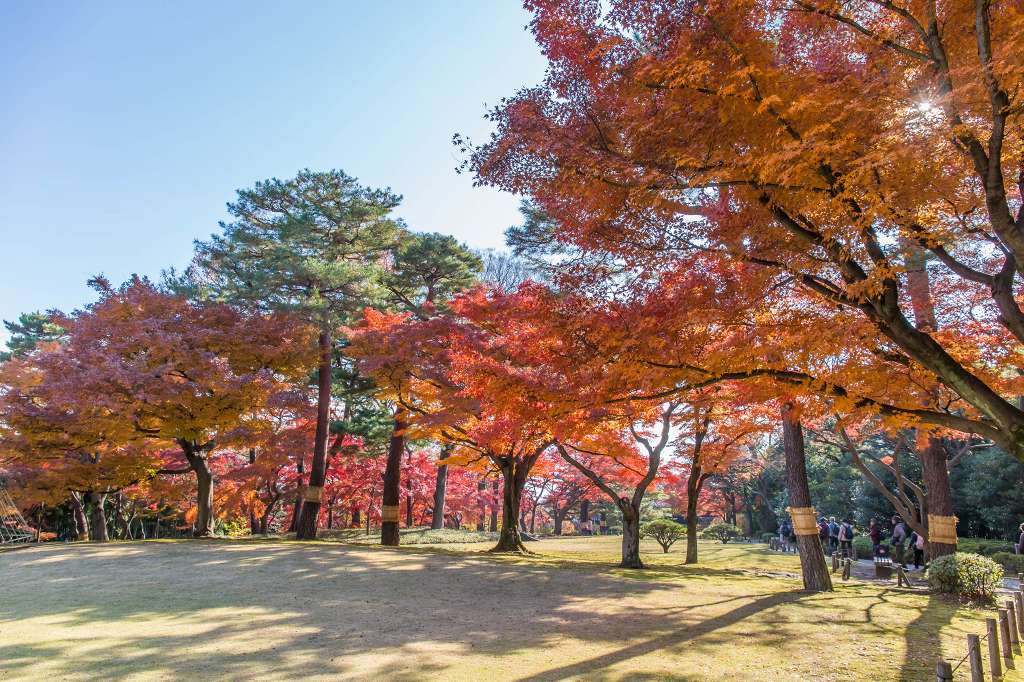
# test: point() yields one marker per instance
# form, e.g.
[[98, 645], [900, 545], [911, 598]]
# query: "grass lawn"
[[287, 610]]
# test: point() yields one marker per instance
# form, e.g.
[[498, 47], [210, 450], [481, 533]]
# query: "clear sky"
[[125, 127]]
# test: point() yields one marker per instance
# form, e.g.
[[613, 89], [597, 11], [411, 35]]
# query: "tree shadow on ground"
[[214, 609]]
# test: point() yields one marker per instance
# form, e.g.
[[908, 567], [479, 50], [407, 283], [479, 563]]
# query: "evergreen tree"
[[317, 245]]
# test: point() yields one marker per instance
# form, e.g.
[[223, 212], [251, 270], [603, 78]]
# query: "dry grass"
[[286, 610]]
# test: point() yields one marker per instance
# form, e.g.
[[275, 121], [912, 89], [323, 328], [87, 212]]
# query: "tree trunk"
[[408, 511], [309, 516], [558, 518], [440, 487], [584, 510], [265, 518], [494, 506], [630, 534], [514, 476], [204, 497], [940, 495], [98, 518], [693, 486], [691, 525], [533, 520], [392, 484], [481, 517], [812, 560], [356, 521], [81, 523]]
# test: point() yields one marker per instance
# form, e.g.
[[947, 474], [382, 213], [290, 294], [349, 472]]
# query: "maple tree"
[[830, 147], [143, 370]]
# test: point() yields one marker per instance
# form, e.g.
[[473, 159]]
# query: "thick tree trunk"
[[81, 523], [514, 476], [392, 483], [630, 534], [940, 494], [494, 506], [306, 524], [408, 511], [98, 518], [584, 511], [440, 487], [356, 521], [812, 560], [933, 455], [204, 497], [558, 517]]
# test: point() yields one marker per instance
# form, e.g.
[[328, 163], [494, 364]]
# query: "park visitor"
[[823, 533], [917, 544], [899, 536], [846, 534], [1019, 547], [833, 534], [875, 533]]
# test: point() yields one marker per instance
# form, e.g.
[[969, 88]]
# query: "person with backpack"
[[833, 534], [917, 544], [823, 533], [785, 530], [846, 534], [899, 536]]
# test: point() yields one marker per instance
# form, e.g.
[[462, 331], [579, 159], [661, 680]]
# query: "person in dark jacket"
[[875, 533]]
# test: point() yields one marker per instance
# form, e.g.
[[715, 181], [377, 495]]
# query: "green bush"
[[968, 575], [721, 531], [766, 537], [862, 547], [984, 546], [663, 531], [1013, 563]]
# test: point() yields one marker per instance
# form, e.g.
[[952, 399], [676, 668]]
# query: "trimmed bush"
[[968, 575], [983, 546], [1014, 563], [663, 531], [721, 531], [862, 547]]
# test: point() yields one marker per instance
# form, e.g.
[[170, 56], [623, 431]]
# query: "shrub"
[[862, 547], [984, 546], [721, 531], [766, 537], [969, 575], [664, 531], [1014, 563]]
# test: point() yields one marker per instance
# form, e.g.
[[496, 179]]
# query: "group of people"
[[836, 535]]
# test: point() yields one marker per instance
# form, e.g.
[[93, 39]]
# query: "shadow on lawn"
[[300, 610]]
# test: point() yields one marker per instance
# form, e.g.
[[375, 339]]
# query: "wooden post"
[[847, 568], [1004, 639], [1018, 603], [993, 649], [943, 672], [1012, 617], [835, 562], [974, 655]]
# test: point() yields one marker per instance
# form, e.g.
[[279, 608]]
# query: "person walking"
[[917, 544], [1019, 547], [899, 536], [785, 530], [875, 533], [833, 534], [846, 534]]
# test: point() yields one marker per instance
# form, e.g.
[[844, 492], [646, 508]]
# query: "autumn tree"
[[315, 246], [426, 270], [145, 369], [813, 142]]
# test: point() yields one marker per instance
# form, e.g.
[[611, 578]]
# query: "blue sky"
[[126, 126]]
